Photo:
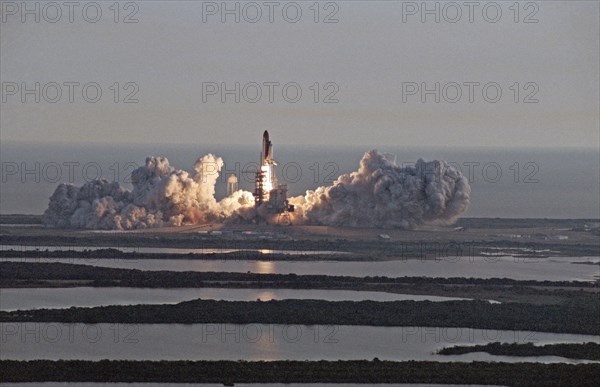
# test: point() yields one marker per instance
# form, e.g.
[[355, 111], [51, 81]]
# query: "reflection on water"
[[264, 267], [551, 269], [260, 342], [36, 298]]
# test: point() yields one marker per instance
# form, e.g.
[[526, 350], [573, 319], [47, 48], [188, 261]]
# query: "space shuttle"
[[267, 191], [266, 156]]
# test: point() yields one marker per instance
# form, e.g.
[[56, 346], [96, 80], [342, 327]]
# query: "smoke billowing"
[[161, 196], [379, 194], [383, 194]]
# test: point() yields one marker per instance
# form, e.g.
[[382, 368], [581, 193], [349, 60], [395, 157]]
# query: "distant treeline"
[[588, 351], [578, 316], [14, 270], [20, 219], [112, 253], [339, 372]]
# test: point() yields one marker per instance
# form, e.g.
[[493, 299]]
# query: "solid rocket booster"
[[267, 149]]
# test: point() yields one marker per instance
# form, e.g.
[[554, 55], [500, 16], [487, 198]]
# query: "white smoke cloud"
[[383, 194], [379, 194], [161, 196]]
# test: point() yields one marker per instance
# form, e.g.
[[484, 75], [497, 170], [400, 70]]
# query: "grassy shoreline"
[[359, 371], [36, 275], [580, 316], [586, 351]]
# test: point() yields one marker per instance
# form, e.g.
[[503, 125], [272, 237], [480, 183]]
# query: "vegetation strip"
[[360, 371], [240, 255], [42, 275], [579, 316], [14, 271], [586, 351]]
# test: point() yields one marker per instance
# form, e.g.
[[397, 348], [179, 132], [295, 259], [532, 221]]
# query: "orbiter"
[[267, 149]]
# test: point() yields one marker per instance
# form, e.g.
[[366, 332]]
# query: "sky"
[[357, 73]]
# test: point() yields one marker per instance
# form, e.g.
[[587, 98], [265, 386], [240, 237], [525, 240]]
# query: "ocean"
[[506, 183]]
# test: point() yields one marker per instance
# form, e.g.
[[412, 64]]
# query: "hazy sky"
[[368, 55]]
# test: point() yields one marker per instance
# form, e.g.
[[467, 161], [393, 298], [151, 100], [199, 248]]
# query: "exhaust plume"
[[379, 194], [383, 194], [161, 196]]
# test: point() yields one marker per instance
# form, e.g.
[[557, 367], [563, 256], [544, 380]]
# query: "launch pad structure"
[[268, 194]]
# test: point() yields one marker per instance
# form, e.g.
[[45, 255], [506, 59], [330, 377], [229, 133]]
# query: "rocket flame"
[[268, 174]]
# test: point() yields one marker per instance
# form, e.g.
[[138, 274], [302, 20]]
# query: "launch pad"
[[269, 196]]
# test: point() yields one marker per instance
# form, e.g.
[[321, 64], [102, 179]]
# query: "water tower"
[[232, 184]]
